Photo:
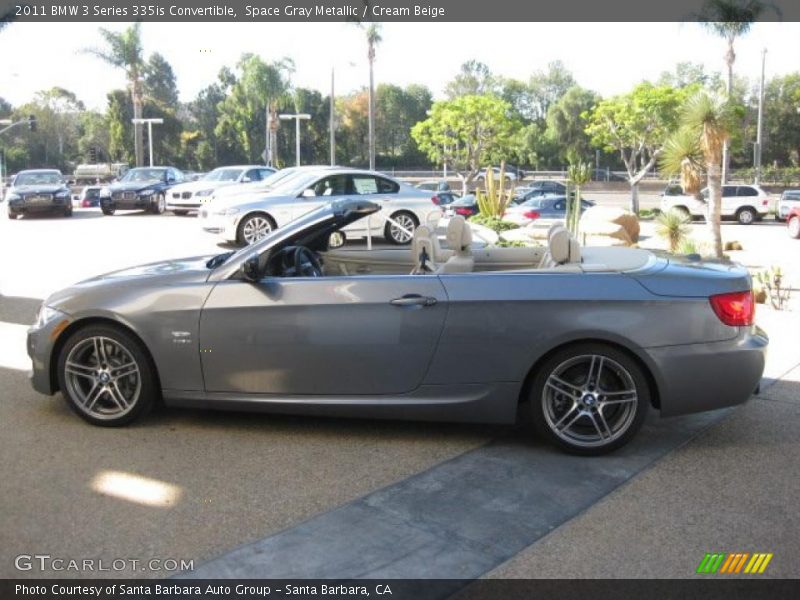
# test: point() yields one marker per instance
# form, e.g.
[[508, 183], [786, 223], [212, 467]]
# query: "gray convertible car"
[[581, 342]]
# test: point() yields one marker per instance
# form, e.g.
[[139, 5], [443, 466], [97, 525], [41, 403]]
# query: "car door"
[[320, 193], [362, 335], [730, 201], [379, 190]]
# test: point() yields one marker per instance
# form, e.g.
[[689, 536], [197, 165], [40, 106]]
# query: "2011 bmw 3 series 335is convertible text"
[[581, 341]]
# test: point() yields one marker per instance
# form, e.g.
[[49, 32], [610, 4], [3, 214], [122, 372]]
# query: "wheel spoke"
[[567, 414], [559, 385], [100, 350], [570, 423], [603, 434], [595, 368], [80, 370], [93, 395], [124, 370], [116, 395]]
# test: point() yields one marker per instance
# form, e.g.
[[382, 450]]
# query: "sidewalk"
[[733, 488]]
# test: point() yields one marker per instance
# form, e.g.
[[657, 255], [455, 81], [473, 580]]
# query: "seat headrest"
[[422, 232], [559, 245], [459, 233], [554, 227]]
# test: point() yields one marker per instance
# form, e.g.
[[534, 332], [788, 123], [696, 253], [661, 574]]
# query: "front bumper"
[[40, 343], [139, 202], [222, 225], [24, 207], [700, 377]]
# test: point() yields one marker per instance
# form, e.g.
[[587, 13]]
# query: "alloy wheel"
[[256, 228], [794, 227], [103, 378], [589, 401], [402, 230]]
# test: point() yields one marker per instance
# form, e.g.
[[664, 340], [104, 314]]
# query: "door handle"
[[413, 300]]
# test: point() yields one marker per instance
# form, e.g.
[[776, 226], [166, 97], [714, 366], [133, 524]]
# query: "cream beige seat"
[[562, 248], [459, 238], [425, 250]]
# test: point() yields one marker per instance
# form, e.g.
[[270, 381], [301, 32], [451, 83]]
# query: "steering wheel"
[[305, 264]]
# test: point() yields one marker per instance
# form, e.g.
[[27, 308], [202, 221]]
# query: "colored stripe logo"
[[734, 563]]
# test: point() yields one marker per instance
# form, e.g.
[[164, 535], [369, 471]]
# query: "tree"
[[706, 120], [566, 125], [636, 126], [123, 50], [781, 122], [474, 79], [468, 133], [730, 19], [397, 111], [688, 73], [242, 114], [159, 81], [547, 87], [373, 35]]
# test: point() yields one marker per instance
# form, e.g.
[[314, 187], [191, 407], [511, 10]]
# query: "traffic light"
[[32, 122]]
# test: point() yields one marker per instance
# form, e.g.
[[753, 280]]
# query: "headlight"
[[105, 192], [226, 211], [13, 197], [63, 194], [203, 193], [45, 315]]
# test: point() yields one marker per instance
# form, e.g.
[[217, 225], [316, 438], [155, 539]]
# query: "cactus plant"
[[577, 173], [495, 199]]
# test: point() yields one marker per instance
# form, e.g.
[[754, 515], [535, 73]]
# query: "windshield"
[[533, 203], [43, 178], [144, 175], [223, 174], [296, 184]]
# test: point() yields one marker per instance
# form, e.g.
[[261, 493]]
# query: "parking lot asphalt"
[[237, 479]]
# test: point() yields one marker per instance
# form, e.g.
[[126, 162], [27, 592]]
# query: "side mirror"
[[309, 193], [251, 270]]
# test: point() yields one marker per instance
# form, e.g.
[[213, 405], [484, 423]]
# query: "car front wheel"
[[159, 206], [794, 228], [589, 399], [400, 230], [253, 228], [107, 210], [106, 376]]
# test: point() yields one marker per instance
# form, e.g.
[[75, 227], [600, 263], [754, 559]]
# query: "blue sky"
[[606, 57]]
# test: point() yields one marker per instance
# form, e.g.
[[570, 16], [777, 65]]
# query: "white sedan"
[[402, 207], [189, 196]]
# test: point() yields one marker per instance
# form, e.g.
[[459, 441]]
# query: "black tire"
[[746, 216], [107, 210], [12, 216], [623, 416], [159, 206], [181, 213], [794, 228], [395, 236], [148, 389], [68, 212], [241, 230]]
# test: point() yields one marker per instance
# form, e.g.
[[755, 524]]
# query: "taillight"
[[765, 203], [532, 214], [736, 309], [464, 212], [436, 200]]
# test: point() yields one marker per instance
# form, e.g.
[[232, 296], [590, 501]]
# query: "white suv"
[[745, 203]]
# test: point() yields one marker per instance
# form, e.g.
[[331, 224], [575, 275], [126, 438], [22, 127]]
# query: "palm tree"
[[730, 19], [373, 34], [124, 51], [697, 149]]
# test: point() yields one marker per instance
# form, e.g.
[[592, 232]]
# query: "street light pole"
[[149, 132], [333, 123], [297, 118], [757, 177]]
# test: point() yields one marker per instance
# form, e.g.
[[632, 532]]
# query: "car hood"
[[135, 186], [51, 188], [159, 274]]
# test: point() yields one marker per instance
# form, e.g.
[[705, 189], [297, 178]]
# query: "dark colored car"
[[546, 207], [39, 191], [537, 189], [90, 196], [141, 188], [466, 206], [441, 190]]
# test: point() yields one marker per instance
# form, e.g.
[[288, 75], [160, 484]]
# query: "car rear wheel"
[[106, 376], [107, 210], [794, 227], [68, 211], [400, 230], [746, 216], [589, 399], [159, 206], [253, 228], [12, 216]]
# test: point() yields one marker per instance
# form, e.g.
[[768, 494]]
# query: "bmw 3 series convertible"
[[581, 342]]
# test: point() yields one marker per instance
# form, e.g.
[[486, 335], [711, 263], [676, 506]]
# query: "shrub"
[[494, 223], [492, 201], [673, 227], [773, 285]]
